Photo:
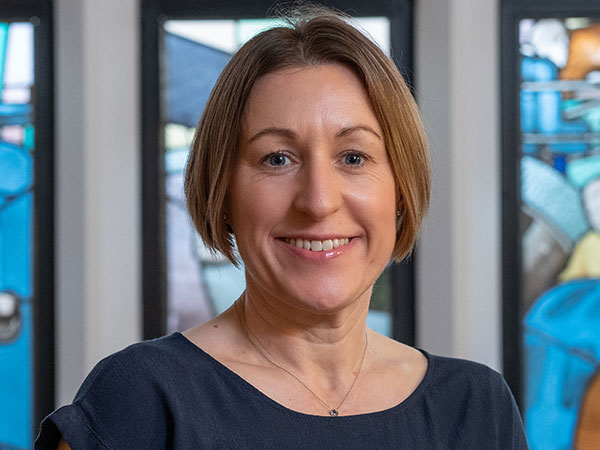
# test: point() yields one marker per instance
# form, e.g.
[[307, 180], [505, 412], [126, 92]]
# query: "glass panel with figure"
[[201, 284], [16, 239], [560, 230]]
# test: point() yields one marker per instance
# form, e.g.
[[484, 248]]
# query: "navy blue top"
[[169, 394]]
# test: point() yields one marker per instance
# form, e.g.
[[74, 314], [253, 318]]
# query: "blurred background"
[[98, 104]]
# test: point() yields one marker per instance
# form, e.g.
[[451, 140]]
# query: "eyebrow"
[[349, 130], [290, 134], [283, 132]]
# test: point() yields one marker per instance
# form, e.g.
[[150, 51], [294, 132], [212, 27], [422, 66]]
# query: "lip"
[[318, 256], [316, 237]]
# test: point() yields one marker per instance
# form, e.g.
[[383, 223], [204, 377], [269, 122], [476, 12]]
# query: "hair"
[[313, 36]]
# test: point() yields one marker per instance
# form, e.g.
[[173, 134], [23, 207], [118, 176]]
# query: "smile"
[[317, 246]]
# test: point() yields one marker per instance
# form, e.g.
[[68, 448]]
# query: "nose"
[[319, 189]]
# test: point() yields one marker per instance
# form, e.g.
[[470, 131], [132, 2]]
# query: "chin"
[[328, 298]]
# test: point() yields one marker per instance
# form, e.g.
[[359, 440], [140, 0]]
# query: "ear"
[[399, 214], [226, 215], [399, 220]]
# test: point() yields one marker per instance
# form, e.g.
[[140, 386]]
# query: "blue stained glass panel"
[[16, 240], [560, 240]]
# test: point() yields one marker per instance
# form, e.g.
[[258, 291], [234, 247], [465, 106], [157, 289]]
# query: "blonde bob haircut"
[[311, 37]]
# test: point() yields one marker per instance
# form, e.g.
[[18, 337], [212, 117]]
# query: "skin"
[[317, 170], [312, 164]]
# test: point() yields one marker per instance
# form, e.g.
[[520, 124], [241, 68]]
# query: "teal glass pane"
[[16, 241], [199, 283], [560, 230]]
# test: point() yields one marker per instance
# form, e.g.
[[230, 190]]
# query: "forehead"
[[308, 95]]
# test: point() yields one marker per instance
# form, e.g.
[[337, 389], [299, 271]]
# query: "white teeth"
[[317, 246]]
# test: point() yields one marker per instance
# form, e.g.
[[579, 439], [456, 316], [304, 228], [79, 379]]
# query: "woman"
[[311, 154]]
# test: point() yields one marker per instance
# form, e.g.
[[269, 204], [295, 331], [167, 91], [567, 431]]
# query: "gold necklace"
[[333, 412]]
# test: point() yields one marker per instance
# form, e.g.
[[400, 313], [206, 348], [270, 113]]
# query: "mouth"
[[317, 246]]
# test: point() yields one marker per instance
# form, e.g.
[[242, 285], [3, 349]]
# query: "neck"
[[324, 349]]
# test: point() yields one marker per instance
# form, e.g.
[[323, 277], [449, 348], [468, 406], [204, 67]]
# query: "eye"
[[277, 160], [354, 159]]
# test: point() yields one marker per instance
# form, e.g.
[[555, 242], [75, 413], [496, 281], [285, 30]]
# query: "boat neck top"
[[167, 393]]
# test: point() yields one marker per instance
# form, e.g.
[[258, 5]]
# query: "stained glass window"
[[559, 102], [16, 234], [200, 284]]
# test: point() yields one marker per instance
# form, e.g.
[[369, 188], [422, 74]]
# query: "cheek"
[[376, 205], [255, 206], [387, 205]]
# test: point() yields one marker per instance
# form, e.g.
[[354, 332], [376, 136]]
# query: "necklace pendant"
[[334, 413]]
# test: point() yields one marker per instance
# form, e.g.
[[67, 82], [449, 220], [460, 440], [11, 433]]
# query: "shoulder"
[[460, 376], [166, 347], [475, 399], [454, 369], [135, 379], [122, 400], [136, 367]]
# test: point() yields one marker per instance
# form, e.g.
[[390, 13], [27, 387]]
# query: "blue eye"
[[353, 159], [277, 160]]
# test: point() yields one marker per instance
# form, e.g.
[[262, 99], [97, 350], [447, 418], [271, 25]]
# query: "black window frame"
[[511, 12], [154, 12], [40, 13]]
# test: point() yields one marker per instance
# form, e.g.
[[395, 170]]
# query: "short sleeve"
[[118, 406], [69, 422]]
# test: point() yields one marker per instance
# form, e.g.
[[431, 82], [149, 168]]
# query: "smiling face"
[[312, 197]]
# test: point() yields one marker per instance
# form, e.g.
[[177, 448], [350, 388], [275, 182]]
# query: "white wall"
[[98, 179], [458, 284], [97, 163]]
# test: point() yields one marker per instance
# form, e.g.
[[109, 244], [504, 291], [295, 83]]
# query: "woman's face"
[[312, 197]]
